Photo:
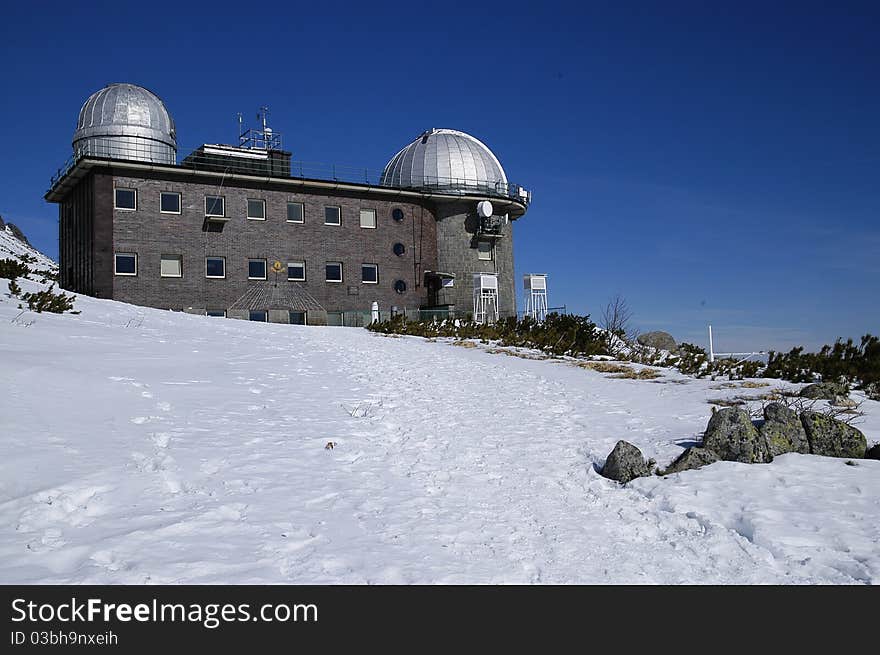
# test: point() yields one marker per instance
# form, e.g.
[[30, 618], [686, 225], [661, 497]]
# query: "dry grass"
[[620, 371], [514, 353], [464, 344], [748, 384]]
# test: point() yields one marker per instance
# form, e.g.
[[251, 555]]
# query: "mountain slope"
[[140, 445]]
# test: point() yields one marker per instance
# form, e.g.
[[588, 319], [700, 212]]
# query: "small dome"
[[446, 160], [126, 121]]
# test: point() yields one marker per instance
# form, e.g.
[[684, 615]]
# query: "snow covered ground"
[[11, 247], [139, 446]]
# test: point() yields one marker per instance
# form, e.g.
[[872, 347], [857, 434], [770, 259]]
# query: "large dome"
[[446, 160], [126, 121]]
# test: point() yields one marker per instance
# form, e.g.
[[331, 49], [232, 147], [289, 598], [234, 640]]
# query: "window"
[[297, 318], [256, 209], [397, 214], [256, 315], [169, 202], [256, 269], [400, 286], [295, 212], [296, 271], [369, 273], [215, 206], [126, 263], [215, 267], [484, 250], [171, 266], [332, 216], [399, 249], [368, 218], [334, 272], [221, 313], [126, 199]]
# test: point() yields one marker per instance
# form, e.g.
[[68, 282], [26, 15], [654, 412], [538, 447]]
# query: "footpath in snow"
[[142, 446]]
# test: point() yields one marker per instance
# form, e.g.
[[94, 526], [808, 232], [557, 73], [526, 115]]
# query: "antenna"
[[240, 129]]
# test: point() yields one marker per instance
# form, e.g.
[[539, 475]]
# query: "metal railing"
[[274, 163]]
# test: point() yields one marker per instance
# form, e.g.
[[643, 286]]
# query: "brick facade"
[[437, 234]]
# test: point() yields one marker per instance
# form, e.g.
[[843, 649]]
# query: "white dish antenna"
[[484, 208]]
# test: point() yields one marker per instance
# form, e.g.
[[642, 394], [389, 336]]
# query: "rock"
[[625, 463], [783, 430], [659, 340], [693, 458], [873, 452], [733, 437], [825, 391], [833, 438]]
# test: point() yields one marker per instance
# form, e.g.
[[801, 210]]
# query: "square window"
[[221, 313], [484, 250], [171, 266], [215, 206], [332, 216], [297, 318], [295, 212], [126, 263], [256, 269], [370, 273], [334, 272], [169, 202], [126, 199], [368, 218], [215, 267], [258, 315], [256, 209], [296, 271]]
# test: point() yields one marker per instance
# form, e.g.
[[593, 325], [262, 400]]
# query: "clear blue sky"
[[710, 162]]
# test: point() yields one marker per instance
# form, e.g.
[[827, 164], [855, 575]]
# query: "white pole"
[[711, 350], [374, 311]]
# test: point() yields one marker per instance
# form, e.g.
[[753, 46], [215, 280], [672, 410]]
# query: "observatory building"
[[245, 231]]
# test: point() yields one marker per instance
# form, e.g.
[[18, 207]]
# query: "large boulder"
[[832, 391], [659, 340], [625, 463], [783, 430], [733, 436], [833, 438], [693, 458]]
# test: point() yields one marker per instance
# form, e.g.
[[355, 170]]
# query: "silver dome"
[[446, 160], [126, 121]]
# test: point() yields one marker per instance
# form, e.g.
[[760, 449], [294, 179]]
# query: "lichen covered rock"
[[693, 458], [825, 391], [625, 463], [783, 430], [659, 340], [734, 438], [833, 438]]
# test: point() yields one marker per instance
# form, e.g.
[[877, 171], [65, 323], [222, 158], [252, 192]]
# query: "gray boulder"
[[833, 438], [659, 340], [873, 452], [693, 458], [832, 391], [625, 463], [734, 438], [783, 430]]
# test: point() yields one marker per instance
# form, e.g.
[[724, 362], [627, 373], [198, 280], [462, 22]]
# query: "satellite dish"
[[484, 208]]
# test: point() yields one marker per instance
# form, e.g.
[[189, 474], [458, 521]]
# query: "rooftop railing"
[[273, 163]]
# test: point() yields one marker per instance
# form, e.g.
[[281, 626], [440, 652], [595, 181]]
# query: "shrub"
[[12, 269], [47, 301], [847, 361], [556, 335]]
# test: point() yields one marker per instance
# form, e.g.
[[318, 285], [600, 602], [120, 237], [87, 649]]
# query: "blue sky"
[[710, 162]]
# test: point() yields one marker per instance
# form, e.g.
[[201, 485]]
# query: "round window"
[[400, 286], [397, 214], [399, 249]]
